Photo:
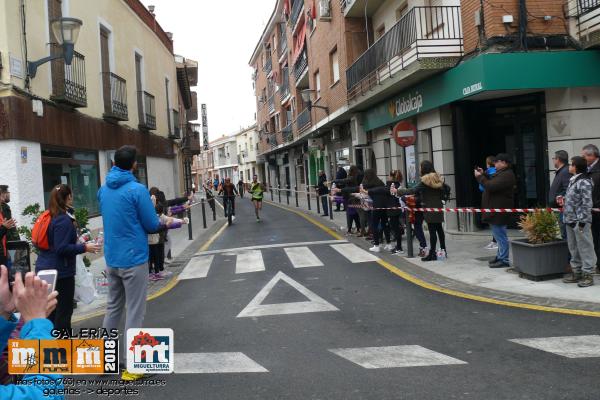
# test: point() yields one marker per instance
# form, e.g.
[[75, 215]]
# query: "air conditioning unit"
[[335, 133], [325, 10], [359, 136]]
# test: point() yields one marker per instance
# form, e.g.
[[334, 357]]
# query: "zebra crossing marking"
[[353, 253], [268, 246], [302, 257], [215, 363], [585, 346], [314, 304], [249, 261], [197, 268], [395, 357]]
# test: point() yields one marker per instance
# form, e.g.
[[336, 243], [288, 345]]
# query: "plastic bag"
[[85, 290]]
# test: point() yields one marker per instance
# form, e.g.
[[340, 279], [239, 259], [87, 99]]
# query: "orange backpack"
[[39, 233]]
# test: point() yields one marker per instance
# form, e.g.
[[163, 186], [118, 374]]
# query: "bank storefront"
[[526, 104]]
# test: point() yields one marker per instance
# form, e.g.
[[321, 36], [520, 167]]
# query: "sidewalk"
[[466, 268], [181, 250]]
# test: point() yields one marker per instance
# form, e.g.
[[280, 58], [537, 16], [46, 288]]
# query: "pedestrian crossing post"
[[330, 207], [189, 215], [296, 192], [308, 197], [409, 236], [272, 194], [214, 209], [318, 203], [287, 194], [203, 214], [279, 193]]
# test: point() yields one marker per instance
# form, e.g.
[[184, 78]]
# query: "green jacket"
[[12, 233]]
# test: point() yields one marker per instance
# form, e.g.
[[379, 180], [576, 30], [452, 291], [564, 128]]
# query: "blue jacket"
[[62, 238], [34, 330], [128, 217], [489, 172]]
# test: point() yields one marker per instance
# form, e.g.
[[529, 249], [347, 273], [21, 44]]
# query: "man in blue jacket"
[[128, 217], [30, 298]]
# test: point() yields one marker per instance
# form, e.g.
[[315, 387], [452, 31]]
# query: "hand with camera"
[[31, 298], [7, 304]]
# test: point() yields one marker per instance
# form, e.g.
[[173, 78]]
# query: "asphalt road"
[[444, 347]]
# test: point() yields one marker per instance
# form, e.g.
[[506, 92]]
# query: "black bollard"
[[308, 199], [330, 203], [409, 235], [214, 209], [189, 215], [287, 195], [203, 214], [272, 194], [318, 203], [296, 193], [279, 193]]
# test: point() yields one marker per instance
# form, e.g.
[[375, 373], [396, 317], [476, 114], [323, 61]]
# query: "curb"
[[432, 281]]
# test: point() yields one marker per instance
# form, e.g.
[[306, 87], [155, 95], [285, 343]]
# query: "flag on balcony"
[[299, 42]]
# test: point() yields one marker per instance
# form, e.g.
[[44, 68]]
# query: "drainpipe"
[[523, 24]]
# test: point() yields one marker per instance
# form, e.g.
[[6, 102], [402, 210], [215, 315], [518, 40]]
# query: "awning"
[[489, 72]]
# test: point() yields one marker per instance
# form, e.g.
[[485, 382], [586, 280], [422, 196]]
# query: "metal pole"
[[203, 214], [308, 197], [287, 194], [272, 194], [214, 209], [189, 215], [318, 202], [279, 192], [330, 207], [296, 192], [409, 235]]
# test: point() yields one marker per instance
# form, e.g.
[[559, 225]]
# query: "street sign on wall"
[[405, 133], [204, 126]]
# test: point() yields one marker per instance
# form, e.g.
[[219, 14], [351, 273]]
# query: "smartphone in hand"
[[50, 276]]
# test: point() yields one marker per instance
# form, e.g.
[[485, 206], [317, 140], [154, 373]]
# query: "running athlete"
[[229, 192], [256, 190]]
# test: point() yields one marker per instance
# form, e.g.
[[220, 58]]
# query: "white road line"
[[354, 253], [302, 257], [249, 261], [314, 303], [566, 346], [196, 268], [215, 363], [395, 357], [268, 246]]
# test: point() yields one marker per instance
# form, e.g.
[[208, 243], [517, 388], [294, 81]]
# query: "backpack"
[[39, 232], [446, 192]]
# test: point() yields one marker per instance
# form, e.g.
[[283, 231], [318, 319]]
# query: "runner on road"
[[229, 192], [256, 190]]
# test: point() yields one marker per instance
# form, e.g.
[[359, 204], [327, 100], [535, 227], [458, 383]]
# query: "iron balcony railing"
[[176, 132], [272, 140], [296, 10], [68, 81], [191, 142], [268, 64], [287, 133], [115, 96], [282, 40], [284, 90], [586, 6], [147, 113], [271, 104], [424, 32], [303, 120], [300, 65], [588, 21]]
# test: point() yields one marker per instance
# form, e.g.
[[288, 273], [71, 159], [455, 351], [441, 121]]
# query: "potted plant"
[[542, 254]]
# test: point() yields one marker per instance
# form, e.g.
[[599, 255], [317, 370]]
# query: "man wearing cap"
[[498, 192], [558, 189]]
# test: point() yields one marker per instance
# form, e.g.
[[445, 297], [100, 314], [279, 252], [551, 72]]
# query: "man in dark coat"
[[592, 156], [560, 184], [323, 191], [498, 193], [339, 175]]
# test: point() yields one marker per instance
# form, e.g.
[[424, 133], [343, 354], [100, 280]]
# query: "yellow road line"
[[170, 285], [419, 282]]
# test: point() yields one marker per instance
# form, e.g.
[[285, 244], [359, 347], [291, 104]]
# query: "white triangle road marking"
[[256, 309], [197, 268], [302, 257]]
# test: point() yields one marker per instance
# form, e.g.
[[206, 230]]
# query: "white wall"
[[24, 179], [160, 174]]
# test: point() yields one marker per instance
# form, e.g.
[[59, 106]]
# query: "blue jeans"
[[500, 234]]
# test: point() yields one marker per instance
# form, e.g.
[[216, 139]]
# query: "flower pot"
[[540, 261]]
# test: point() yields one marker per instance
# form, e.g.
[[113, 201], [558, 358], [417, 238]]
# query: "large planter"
[[540, 261]]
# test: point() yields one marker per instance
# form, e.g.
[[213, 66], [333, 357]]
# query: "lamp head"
[[306, 95], [66, 30]]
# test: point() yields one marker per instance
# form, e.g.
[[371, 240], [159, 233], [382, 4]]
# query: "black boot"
[[431, 257]]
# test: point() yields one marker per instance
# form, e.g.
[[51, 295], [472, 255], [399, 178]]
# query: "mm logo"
[[56, 356], [150, 350], [23, 356]]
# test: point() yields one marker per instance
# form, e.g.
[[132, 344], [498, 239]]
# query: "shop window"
[[387, 154], [77, 169], [424, 145]]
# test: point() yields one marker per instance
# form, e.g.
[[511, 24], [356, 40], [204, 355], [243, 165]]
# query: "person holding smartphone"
[[63, 247]]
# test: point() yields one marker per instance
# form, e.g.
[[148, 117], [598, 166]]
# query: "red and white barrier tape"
[[467, 209]]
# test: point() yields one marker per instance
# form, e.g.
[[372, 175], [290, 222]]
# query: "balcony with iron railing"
[[283, 45], [284, 90], [268, 64], [300, 67], [68, 81], [424, 41], [115, 97], [147, 111], [296, 11], [303, 121], [272, 104], [272, 140], [191, 143], [176, 130], [287, 133], [587, 15]]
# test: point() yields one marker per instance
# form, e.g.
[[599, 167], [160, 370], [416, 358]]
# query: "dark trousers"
[[436, 231], [241, 190], [596, 236], [232, 200], [324, 203], [352, 217], [419, 230], [156, 261], [395, 227], [61, 316], [380, 223]]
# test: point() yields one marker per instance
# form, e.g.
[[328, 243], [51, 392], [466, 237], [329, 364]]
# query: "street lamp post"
[[66, 31], [306, 94]]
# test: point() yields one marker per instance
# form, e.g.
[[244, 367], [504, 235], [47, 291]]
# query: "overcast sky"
[[221, 36]]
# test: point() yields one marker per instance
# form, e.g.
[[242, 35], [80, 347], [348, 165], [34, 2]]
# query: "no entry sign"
[[405, 133]]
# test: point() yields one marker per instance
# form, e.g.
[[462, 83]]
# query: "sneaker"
[[586, 280], [491, 246], [157, 277], [389, 247], [233, 217], [422, 251], [165, 274], [499, 264], [572, 278], [397, 251], [129, 376], [375, 249]]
